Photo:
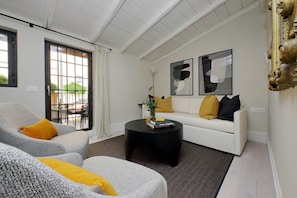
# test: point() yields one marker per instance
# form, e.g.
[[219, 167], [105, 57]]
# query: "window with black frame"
[[8, 59]]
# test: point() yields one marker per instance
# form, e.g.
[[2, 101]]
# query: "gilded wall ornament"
[[283, 49]]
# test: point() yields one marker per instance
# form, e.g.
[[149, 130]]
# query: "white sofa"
[[219, 134]]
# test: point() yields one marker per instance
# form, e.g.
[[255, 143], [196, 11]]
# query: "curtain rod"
[[45, 28]]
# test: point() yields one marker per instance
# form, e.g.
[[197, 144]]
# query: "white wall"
[[129, 77], [31, 64], [283, 138], [247, 36]]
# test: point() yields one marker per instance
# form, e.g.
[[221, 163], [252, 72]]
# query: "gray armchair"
[[13, 115], [21, 175]]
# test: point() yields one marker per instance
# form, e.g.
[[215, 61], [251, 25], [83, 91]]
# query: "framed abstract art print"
[[181, 77], [215, 73]]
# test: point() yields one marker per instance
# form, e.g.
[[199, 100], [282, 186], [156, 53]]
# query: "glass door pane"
[[69, 89]]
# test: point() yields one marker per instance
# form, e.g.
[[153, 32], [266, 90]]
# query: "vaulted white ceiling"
[[148, 29]]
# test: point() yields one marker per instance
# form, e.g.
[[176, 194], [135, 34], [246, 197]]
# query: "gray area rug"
[[200, 171]]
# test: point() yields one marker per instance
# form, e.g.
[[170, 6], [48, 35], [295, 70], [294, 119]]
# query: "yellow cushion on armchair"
[[80, 175], [43, 129]]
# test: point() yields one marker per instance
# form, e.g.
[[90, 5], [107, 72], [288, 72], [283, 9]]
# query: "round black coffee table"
[[167, 141]]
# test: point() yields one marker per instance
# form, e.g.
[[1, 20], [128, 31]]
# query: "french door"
[[68, 74]]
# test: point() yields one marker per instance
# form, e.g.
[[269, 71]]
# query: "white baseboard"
[[257, 136], [278, 190]]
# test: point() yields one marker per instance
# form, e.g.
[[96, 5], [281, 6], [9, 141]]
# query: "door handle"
[[48, 90]]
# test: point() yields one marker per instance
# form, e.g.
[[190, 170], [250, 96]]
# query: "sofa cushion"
[[194, 105], [228, 107], [41, 130], [209, 107], [163, 105], [197, 121], [180, 104], [78, 174]]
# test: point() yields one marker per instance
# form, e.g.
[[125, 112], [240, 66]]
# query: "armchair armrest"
[[35, 147], [63, 129], [240, 130], [73, 158], [40, 148]]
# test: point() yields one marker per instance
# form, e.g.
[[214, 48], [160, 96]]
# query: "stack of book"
[[155, 124]]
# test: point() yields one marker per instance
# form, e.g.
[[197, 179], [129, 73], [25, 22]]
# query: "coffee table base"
[[166, 141]]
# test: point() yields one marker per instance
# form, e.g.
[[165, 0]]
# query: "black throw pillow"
[[228, 107]]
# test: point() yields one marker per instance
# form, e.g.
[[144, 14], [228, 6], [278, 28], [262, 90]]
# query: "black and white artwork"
[[181, 77], [215, 73]]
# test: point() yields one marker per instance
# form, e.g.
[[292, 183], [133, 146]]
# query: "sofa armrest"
[[240, 130]]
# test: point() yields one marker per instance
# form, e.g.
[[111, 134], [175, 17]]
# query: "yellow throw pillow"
[[209, 107], [80, 175], [43, 129], [163, 105]]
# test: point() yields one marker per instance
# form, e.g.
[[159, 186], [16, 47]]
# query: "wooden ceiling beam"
[[150, 24], [209, 9], [108, 21]]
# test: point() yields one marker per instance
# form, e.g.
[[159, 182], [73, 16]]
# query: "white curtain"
[[101, 127]]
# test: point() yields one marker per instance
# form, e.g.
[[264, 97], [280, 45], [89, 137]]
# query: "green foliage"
[[3, 79], [75, 88], [54, 88], [150, 102]]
